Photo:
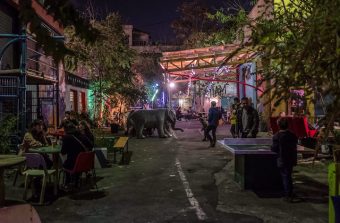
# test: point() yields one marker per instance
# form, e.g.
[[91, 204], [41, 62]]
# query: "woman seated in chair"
[[35, 138], [71, 146], [86, 136]]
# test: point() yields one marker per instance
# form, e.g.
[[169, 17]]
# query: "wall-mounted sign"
[[247, 75]]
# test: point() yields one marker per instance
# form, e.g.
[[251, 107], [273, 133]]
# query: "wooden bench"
[[120, 145]]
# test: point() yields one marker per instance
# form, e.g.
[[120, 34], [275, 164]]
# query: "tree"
[[231, 27], [201, 26], [301, 42], [108, 63], [65, 14], [193, 24], [147, 65]]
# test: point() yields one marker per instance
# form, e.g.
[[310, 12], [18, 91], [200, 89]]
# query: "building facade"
[[32, 84]]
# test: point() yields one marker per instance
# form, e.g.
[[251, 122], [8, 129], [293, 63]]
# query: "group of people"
[[245, 123], [77, 138], [190, 114], [244, 120]]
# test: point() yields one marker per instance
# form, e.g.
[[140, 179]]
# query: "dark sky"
[[152, 16]]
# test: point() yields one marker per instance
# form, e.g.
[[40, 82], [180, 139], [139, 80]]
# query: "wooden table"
[[7, 161]]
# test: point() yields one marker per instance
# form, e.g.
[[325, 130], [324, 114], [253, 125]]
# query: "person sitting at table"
[[74, 118], [35, 138], [65, 120], [43, 122], [71, 146], [86, 136]]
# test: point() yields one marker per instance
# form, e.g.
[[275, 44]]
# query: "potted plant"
[[7, 129]]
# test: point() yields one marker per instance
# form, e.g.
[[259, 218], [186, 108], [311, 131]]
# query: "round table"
[[7, 161]]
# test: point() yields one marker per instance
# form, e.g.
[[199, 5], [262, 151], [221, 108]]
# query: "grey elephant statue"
[[163, 120]]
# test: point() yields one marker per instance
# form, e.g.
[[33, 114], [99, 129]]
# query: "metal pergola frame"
[[210, 64], [203, 62]]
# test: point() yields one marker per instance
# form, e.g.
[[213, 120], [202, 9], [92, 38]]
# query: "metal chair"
[[84, 164], [36, 167]]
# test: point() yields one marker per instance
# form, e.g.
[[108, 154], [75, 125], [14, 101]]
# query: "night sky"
[[152, 16]]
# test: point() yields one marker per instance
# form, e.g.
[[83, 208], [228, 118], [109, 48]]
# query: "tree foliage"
[[193, 25], [201, 26], [108, 63], [301, 42], [147, 65], [230, 24], [8, 126], [65, 14]]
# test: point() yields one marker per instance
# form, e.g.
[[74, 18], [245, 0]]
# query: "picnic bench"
[[120, 145]]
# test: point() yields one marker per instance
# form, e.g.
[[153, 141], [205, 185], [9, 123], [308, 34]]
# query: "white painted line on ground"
[[193, 201]]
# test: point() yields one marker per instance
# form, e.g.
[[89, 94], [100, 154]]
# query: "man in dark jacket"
[[285, 145], [213, 118], [248, 119]]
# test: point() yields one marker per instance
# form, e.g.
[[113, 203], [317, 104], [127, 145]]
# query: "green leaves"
[[108, 61], [62, 12], [8, 126], [300, 41]]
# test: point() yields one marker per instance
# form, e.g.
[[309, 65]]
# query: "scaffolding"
[[31, 88]]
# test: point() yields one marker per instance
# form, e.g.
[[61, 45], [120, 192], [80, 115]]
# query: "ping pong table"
[[255, 164]]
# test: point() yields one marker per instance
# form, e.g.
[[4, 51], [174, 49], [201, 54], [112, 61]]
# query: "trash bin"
[[114, 128]]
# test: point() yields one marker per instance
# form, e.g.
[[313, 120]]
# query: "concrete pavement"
[[183, 180]]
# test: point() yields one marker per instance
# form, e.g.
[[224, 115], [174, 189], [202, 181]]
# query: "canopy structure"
[[212, 73], [216, 63]]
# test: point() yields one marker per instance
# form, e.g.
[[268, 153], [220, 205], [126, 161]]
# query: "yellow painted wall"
[[282, 107]]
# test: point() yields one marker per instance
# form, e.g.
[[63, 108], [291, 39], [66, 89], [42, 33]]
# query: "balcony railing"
[[39, 64]]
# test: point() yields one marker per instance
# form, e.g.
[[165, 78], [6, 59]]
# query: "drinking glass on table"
[[53, 141]]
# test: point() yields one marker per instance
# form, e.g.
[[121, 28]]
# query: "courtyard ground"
[[182, 180]]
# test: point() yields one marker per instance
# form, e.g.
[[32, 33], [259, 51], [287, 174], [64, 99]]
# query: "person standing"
[[249, 119], [204, 127], [285, 145], [179, 114], [234, 129], [214, 116]]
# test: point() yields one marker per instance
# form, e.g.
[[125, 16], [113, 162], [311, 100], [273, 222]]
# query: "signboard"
[[247, 75]]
